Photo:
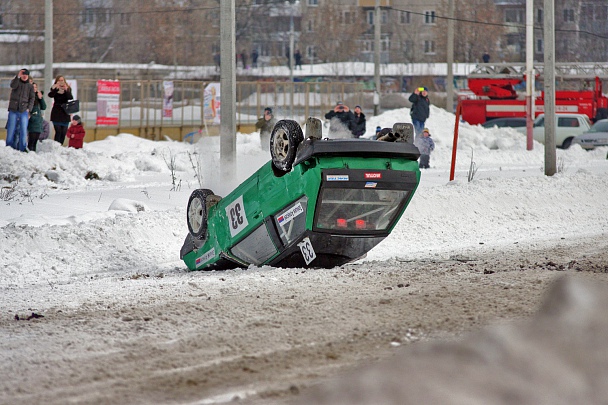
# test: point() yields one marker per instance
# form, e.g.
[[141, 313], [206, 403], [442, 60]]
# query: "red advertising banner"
[[108, 102]]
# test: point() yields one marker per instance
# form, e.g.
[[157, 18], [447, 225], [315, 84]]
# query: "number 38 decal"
[[307, 250], [237, 218]]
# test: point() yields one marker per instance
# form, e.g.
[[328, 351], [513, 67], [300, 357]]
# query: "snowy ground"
[[124, 322]]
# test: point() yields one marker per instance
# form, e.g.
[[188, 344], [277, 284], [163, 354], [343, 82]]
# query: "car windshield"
[[600, 126], [358, 210]]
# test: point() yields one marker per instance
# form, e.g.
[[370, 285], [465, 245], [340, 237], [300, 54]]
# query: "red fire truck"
[[492, 95]]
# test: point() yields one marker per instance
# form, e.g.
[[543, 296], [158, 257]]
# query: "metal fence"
[[141, 103]]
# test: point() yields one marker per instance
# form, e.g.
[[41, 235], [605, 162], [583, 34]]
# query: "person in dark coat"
[[20, 105], [254, 58], [359, 124], [76, 133], [341, 121], [35, 126], [420, 108], [265, 125], [61, 93], [298, 59], [485, 57]]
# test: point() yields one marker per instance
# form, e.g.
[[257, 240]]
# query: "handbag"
[[71, 107]]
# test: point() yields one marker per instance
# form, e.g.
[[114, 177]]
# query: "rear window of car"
[[358, 210], [600, 127]]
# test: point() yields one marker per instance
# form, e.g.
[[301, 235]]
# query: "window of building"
[[429, 47], [313, 2], [513, 15], [383, 17], [568, 15], [540, 16], [310, 25], [102, 15], [347, 17], [1, 20], [125, 18], [429, 17], [19, 20], [405, 17], [540, 48], [88, 16], [311, 52]]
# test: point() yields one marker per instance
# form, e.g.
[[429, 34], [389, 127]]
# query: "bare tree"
[[477, 28], [343, 24]]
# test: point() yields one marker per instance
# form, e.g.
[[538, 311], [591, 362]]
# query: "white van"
[[568, 126]]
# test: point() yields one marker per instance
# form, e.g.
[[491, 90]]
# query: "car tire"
[[284, 141], [567, 142], [197, 213]]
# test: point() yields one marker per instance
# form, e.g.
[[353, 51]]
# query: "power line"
[[510, 25]]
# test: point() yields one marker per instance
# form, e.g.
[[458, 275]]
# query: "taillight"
[[360, 224], [341, 223]]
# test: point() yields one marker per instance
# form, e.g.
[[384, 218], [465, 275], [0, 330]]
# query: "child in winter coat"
[[425, 145], [76, 133]]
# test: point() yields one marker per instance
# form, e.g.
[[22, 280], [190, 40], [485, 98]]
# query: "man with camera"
[[21, 102], [341, 121], [420, 108]]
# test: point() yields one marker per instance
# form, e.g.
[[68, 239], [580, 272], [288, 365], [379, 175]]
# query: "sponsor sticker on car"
[[290, 214], [337, 177], [370, 184], [375, 175], [208, 255]]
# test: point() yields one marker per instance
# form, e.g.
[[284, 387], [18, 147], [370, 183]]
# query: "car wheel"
[[284, 141], [567, 143], [197, 213]]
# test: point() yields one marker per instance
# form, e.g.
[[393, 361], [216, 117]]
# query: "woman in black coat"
[[61, 92]]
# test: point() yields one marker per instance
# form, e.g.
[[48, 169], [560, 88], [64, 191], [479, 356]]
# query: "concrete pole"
[[377, 34], [48, 51], [449, 88], [529, 74], [291, 53], [227, 92], [550, 119]]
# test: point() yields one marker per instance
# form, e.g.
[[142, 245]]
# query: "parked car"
[[596, 136], [568, 126], [317, 203], [510, 122]]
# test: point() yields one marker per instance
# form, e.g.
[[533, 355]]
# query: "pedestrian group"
[[26, 125]]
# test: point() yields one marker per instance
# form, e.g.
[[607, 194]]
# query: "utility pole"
[[227, 92], [449, 103], [377, 58], [48, 50], [529, 73], [550, 119]]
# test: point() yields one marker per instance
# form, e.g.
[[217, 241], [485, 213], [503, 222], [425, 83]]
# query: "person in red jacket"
[[76, 133]]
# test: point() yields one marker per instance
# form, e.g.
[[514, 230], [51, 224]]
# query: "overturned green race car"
[[318, 202]]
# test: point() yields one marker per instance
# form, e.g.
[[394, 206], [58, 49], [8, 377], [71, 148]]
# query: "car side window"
[[540, 122], [291, 221], [567, 122], [256, 248]]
